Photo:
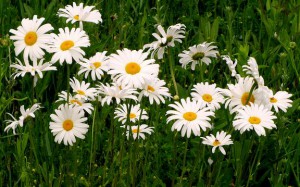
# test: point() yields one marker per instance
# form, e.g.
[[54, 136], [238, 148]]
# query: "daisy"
[[255, 117], [280, 100], [108, 92], [208, 95], [155, 90], [79, 13], [82, 90], [164, 40], [67, 123], [218, 141], [139, 131], [67, 45], [252, 69], [76, 102], [134, 115], [198, 53], [131, 68], [94, 66], [231, 66], [189, 117], [31, 38]]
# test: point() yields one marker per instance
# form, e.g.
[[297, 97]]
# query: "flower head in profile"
[[95, 66], [135, 113], [254, 117], [280, 100], [252, 70], [208, 95], [82, 89], [67, 45], [155, 90], [231, 65], [67, 123], [32, 38], [80, 14], [175, 33], [218, 141], [198, 53], [138, 131], [131, 68], [189, 117]]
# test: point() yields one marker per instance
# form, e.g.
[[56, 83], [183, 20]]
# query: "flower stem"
[[92, 142], [184, 159], [172, 71]]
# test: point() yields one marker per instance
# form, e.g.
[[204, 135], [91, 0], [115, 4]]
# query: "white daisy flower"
[[198, 53], [155, 90], [95, 66], [76, 102], [164, 40], [252, 69], [280, 100], [82, 89], [108, 92], [81, 14], [218, 141], [67, 45], [67, 123], [189, 117], [138, 131], [208, 95], [130, 68], [255, 117], [121, 113], [231, 66], [31, 38]]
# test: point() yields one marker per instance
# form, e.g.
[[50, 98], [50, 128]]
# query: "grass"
[[267, 30]]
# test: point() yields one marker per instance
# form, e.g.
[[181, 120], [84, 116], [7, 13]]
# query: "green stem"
[[172, 71], [184, 159], [68, 82], [92, 142]]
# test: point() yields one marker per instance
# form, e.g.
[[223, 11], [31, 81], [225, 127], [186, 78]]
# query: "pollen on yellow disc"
[[30, 38], [80, 92], [96, 64], [132, 68], [66, 45], [132, 115], [150, 88], [207, 97], [190, 116], [68, 124], [244, 99], [273, 100], [73, 101], [254, 120], [76, 17], [135, 131], [216, 143]]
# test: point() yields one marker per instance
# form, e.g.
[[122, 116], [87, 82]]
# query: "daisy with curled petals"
[[139, 131], [31, 38], [155, 90], [280, 100], [67, 123], [231, 66], [67, 45], [198, 53], [94, 66], [208, 95], [79, 13], [131, 68], [109, 92], [252, 69], [255, 117], [165, 39], [80, 103], [135, 113], [82, 89], [218, 141], [189, 117]]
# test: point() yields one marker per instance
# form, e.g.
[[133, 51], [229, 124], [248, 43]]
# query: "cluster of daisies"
[[134, 75]]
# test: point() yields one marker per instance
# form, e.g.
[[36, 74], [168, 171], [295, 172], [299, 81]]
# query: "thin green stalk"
[[68, 82], [184, 160], [92, 142], [172, 71]]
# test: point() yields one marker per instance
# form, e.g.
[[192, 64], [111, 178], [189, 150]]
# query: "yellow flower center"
[[216, 143], [80, 92], [96, 64], [30, 38], [68, 124], [132, 68], [254, 120], [135, 131], [198, 56], [207, 97], [273, 100], [132, 115], [66, 45], [245, 98], [74, 101], [76, 17], [150, 88], [190, 116]]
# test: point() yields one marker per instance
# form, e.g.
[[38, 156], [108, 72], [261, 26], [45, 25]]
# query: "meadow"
[[110, 152]]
